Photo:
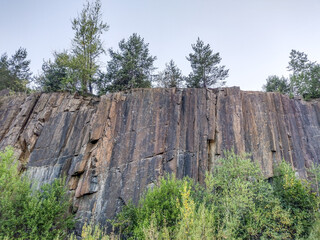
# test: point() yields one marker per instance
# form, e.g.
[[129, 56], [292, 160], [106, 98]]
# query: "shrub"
[[242, 201], [237, 202], [296, 197], [158, 206], [27, 213], [93, 232]]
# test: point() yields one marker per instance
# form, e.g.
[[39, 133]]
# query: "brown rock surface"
[[113, 147]]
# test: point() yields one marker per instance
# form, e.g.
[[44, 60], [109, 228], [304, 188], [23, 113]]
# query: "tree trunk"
[[90, 87]]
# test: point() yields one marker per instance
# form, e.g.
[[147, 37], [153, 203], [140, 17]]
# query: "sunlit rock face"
[[112, 148]]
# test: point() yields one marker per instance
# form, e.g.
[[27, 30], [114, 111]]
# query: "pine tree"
[[87, 44], [131, 67], [15, 71], [58, 74], [305, 77], [205, 72], [170, 77], [277, 84]]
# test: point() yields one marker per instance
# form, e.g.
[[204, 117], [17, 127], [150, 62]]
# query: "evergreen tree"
[[61, 74], [170, 77], [54, 73], [305, 77], [77, 70], [205, 69], [277, 84], [87, 44], [15, 72], [5, 76], [131, 67]]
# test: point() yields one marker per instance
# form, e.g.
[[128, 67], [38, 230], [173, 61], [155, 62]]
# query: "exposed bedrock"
[[112, 148]]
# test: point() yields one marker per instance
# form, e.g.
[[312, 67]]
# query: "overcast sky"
[[254, 37]]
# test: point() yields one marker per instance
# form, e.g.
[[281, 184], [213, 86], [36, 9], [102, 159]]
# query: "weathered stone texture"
[[113, 147]]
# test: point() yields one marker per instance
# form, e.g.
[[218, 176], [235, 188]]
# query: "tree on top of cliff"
[[15, 71], [77, 69], [59, 74], [205, 69], [305, 77], [87, 44], [170, 77], [277, 84], [131, 67]]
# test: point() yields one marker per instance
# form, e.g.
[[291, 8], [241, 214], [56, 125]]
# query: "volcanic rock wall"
[[114, 147]]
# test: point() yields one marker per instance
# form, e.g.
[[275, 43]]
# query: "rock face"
[[112, 148]]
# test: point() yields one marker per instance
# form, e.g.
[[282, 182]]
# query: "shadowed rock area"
[[112, 148]]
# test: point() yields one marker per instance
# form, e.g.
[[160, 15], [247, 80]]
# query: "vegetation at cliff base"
[[27, 213], [237, 202]]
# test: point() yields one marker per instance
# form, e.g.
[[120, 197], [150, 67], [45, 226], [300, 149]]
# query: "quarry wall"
[[112, 148]]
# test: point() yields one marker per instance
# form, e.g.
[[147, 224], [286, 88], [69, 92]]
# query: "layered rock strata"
[[112, 148]]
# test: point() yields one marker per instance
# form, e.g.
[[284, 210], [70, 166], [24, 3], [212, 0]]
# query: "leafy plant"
[[296, 197], [158, 206], [27, 213], [237, 202], [93, 231]]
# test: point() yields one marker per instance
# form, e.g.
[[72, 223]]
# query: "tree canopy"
[[77, 69], [61, 74], [130, 67], [205, 69], [304, 79], [305, 76], [277, 84], [170, 77], [87, 44], [15, 71]]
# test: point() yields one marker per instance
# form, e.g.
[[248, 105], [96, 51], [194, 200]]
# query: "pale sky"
[[254, 37]]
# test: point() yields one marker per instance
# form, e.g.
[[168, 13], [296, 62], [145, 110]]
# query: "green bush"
[[158, 205], [296, 197], [237, 202], [93, 232], [26, 213], [240, 203]]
